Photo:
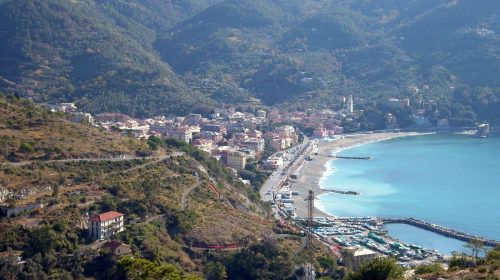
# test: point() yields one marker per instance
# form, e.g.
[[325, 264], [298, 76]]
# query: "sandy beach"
[[311, 172]]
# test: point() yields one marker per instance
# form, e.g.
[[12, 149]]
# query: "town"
[[272, 139]]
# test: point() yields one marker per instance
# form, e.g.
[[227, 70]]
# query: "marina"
[[368, 233]]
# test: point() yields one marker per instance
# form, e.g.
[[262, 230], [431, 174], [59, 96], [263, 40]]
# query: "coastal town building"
[[117, 248], [106, 225], [320, 132], [236, 160], [356, 256], [350, 105], [204, 145], [279, 144], [183, 134], [274, 162], [63, 107], [82, 117]]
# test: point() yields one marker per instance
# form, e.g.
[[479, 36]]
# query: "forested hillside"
[[150, 57], [175, 207]]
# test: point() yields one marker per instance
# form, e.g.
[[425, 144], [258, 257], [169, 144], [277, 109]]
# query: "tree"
[[378, 269], [494, 255], [42, 240], [155, 142], [216, 271], [108, 203], [327, 264], [475, 246], [136, 268]]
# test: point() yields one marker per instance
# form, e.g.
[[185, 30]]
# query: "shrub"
[[431, 268], [26, 148], [461, 262]]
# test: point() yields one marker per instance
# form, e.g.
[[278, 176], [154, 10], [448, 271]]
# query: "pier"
[[342, 192], [344, 157], [440, 230]]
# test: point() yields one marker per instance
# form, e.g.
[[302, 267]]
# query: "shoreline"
[[312, 173]]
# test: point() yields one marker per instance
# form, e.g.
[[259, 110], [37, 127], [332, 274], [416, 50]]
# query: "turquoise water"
[[424, 238], [451, 180]]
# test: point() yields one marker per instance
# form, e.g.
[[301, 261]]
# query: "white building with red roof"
[[105, 225]]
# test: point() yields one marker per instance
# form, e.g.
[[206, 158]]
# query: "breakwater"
[[362, 158], [342, 192], [440, 230], [345, 157]]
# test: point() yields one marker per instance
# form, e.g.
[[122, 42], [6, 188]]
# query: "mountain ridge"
[[154, 57]]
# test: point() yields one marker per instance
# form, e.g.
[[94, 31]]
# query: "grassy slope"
[[53, 137], [152, 193]]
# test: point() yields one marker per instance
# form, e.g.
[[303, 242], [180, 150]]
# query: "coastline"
[[312, 173]]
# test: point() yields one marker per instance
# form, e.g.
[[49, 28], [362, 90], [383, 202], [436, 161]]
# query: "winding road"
[[185, 194], [114, 159]]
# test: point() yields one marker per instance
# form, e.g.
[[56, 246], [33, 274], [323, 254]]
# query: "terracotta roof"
[[106, 216], [114, 244]]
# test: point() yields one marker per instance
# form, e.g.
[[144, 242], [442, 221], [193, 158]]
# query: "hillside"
[[175, 207], [86, 51], [156, 57], [32, 133]]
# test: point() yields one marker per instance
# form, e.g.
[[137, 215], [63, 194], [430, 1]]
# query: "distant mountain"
[[94, 52], [148, 57]]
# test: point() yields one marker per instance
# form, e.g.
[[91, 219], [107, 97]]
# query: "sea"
[[446, 179]]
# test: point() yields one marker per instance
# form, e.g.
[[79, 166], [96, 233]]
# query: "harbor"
[[440, 230], [367, 233]]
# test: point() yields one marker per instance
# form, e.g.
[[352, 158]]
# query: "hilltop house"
[[105, 225]]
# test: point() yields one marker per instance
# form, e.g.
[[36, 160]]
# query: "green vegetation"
[[475, 247], [327, 266], [378, 269], [146, 270], [33, 133], [466, 266], [264, 261], [166, 239], [431, 268], [152, 57]]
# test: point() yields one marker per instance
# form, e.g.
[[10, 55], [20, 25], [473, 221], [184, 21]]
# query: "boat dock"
[[440, 230]]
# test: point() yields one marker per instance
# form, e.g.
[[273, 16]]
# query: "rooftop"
[[106, 216], [361, 251]]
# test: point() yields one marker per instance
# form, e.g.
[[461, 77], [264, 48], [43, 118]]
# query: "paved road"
[[185, 194], [281, 174], [115, 159]]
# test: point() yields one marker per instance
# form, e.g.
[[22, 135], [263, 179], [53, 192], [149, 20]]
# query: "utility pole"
[[310, 219], [309, 268]]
